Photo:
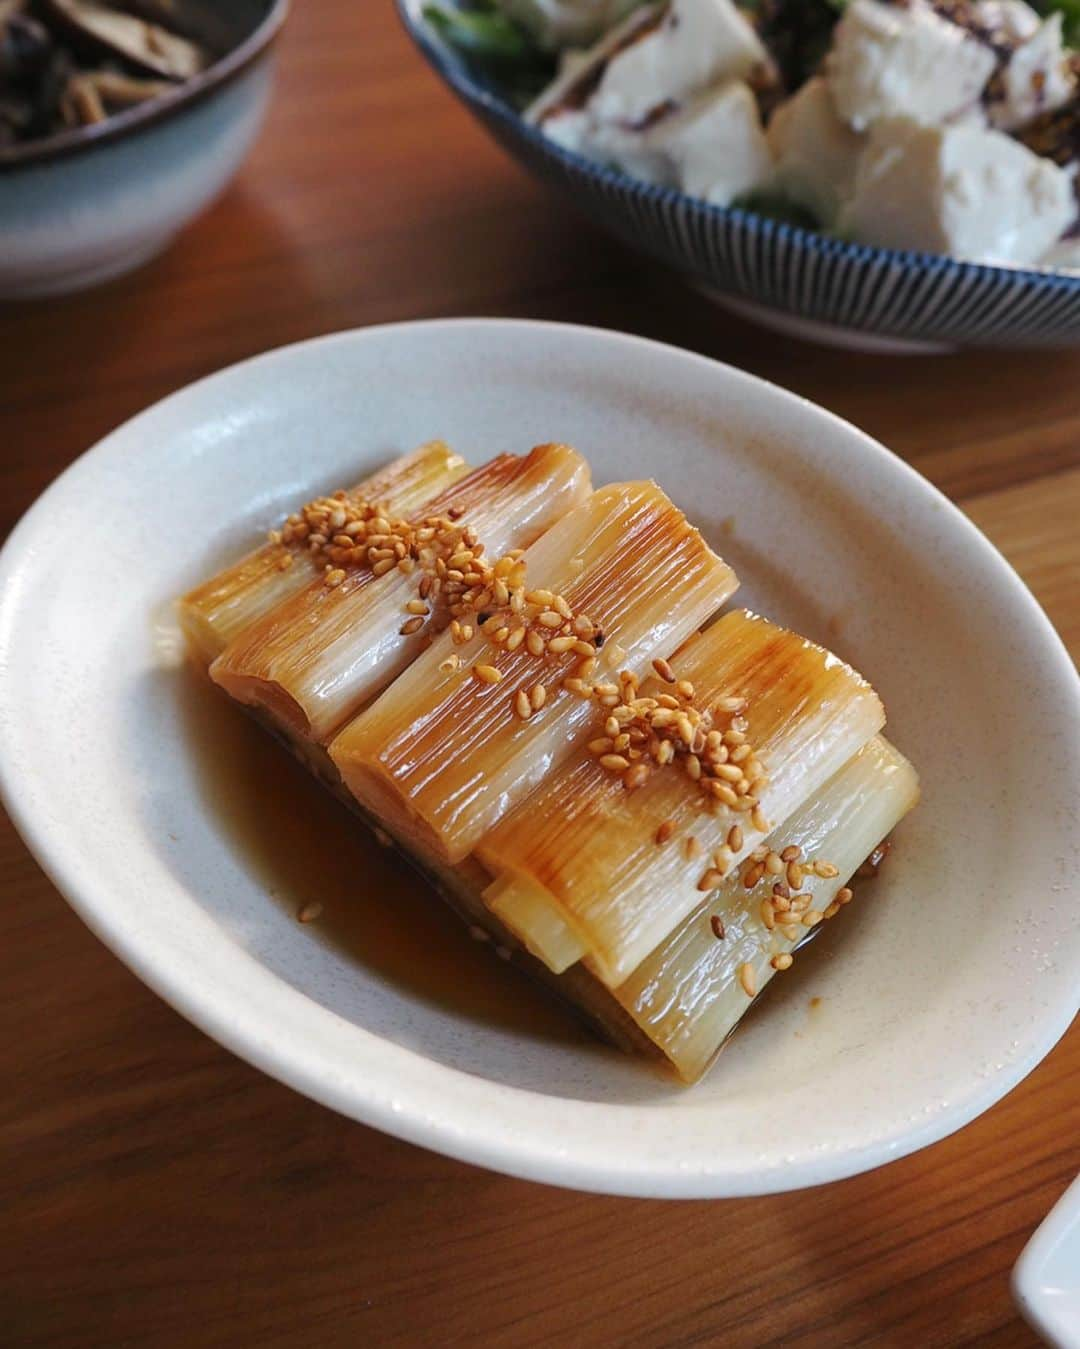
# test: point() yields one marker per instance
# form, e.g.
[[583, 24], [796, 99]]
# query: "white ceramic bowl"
[[938, 993], [93, 203]]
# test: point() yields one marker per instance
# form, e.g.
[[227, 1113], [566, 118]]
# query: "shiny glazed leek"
[[316, 659], [690, 993], [442, 758], [588, 846], [215, 612]]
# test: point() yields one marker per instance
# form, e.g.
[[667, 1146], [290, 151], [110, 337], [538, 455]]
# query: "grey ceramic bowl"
[[94, 202], [789, 278]]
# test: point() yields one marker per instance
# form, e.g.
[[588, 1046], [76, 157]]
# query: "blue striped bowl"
[[791, 277]]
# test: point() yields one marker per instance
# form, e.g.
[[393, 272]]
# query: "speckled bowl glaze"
[[802, 283], [95, 202], [938, 993]]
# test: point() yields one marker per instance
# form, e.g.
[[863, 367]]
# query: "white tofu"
[[903, 61], [1035, 79], [621, 106], [958, 190], [567, 23], [665, 55], [1064, 255], [1011, 21], [716, 149], [584, 69], [814, 151]]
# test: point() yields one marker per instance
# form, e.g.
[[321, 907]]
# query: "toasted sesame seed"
[[665, 831], [832, 910], [791, 853], [412, 625], [774, 864], [382, 567], [746, 978], [534, 643], [844, 895], [487, 674], [601, 745], [559, 645], [664, 670], [711, 880], [467, 632], [684, 689], [752, 875], [577, 686], [636, 776], [790, 931], [560, 606], [522, 706], [768, 916], [335, 576], [717, 925], [783, 961], [758, 820], [811, 918], [584, 649], [693, 767], [541, 598], [416, 607], [515, 639], [537, 696], [825, 870], [614, 763], [691, 848], [727, 771], [723, 858], [760, 853], [735, 838], [550, 619], [794, 875], [585, 667]]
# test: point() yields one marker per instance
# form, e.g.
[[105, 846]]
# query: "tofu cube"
[[961, 190], [1035, 79], [815, 153], [694, 44], [904, 61], [716, 149], [1064, 256]]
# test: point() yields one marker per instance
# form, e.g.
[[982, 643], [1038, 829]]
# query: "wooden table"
[[157, 1191]]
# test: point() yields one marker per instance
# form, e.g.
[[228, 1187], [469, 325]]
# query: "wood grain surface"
[[155, 1190]]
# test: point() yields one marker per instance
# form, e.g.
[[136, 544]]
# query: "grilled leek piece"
[[590, 847], [470, 729], [690, 993], [215, 612], [320, 656]]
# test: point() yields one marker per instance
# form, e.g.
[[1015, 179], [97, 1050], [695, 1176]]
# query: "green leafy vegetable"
[[775, 206], [495, 47], [481, 32]]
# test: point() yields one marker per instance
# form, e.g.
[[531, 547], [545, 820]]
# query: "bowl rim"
[[403, 1092], [453, 70], [64, 144]]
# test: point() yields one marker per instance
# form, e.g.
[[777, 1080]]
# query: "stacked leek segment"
[[524, 682]]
